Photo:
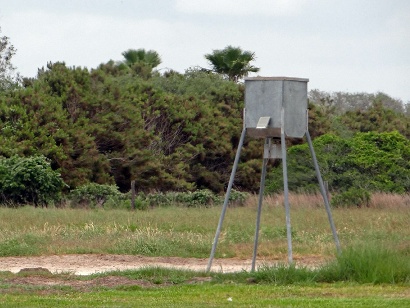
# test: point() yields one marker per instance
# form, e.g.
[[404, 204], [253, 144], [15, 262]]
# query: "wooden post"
[[133, 195]]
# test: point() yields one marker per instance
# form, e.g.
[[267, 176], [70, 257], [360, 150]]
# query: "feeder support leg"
[[286, 190], [323, 192], [225, 205], [258, 217]]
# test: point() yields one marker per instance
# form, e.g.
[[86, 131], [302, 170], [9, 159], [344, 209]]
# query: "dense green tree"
[[370, 161], [180, 131], [211, 121], [376, 118], [50, 118], [320, 120], [340, 102], [344, 114], [106, 126], [8, 78], [232, 62]]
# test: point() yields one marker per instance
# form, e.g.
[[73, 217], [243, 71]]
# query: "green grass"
[[189, 232], [372, 271], [369, 264], [218, 295], [280, 286]]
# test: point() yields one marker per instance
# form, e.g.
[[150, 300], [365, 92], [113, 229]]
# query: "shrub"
[[202, 197], [238, 197], [160, 199], [29, 180], [206, 197], [93, 194], [352, 197], [379, 162], [141, 202]]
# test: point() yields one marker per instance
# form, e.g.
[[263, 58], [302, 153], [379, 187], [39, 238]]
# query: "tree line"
[[125, 121]]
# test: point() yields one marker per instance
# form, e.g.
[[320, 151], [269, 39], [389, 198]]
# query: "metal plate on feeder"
[[266, 97]]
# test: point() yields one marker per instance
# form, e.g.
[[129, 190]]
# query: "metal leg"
[[225, 205], [258, 217], [286, 197], [323, 192]]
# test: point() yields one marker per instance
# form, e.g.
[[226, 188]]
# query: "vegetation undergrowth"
[[369, 264], [373, 268], [71, 127], [214, 295], [189, 231], [357, 264]]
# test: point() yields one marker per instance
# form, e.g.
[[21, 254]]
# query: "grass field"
[[216, 295], [189, 232], [379, 234]]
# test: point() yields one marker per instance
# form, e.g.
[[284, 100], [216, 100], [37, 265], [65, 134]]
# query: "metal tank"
[[275, 102]]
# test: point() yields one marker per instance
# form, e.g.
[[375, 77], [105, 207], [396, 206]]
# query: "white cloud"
[[241, 7], [334, 46], [82, 39]]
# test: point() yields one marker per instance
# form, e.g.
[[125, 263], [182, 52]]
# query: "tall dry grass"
[[384, 222], [378, 200], [189, 232], [386, 200]]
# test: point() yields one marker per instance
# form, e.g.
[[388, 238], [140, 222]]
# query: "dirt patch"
[[81, 285], [86, 264], [39, 271]]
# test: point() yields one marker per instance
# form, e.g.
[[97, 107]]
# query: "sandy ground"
[[86, 264]]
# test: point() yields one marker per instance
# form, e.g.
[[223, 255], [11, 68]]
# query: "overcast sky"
[[340, 45]]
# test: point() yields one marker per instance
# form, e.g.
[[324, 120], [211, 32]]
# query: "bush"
[[203, 197], [141, 202], [29, 180], [238, 197], [198, 198], [160, 199], [108, 196], [352, 197], [379, 162], [96, 195]]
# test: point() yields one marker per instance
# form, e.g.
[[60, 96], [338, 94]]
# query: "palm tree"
[[232, 62], [140, 56]]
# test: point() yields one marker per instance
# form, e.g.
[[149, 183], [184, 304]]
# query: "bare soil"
[[48, 283], [38, 271], [86, 264]]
